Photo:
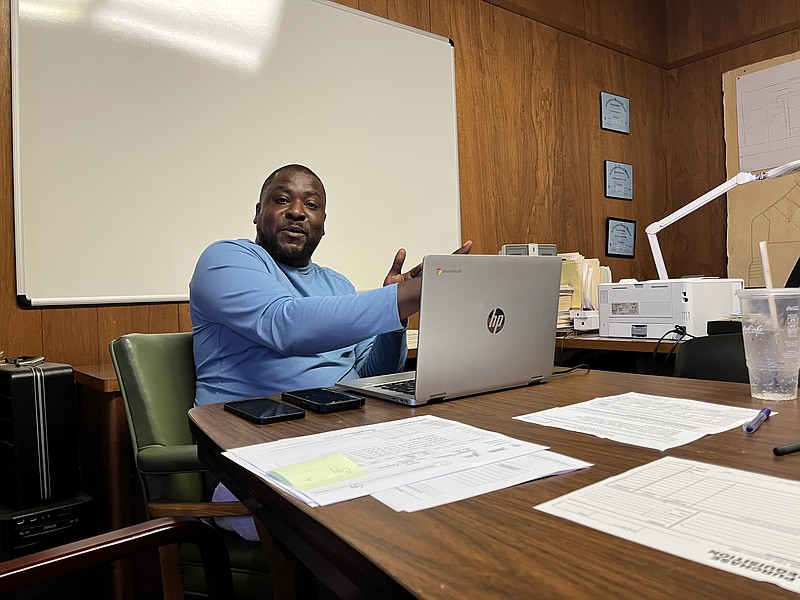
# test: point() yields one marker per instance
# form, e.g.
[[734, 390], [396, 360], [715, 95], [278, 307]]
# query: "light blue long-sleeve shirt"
[[261, 327]]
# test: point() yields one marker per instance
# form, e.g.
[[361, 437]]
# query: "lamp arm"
[[701, 201], [653, 229], [657, 256]]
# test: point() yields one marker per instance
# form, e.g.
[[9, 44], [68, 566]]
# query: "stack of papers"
[[740, 522], [644, 420], [564, 319], [583, 275], [572, 277], [410, 464], [412, 338]]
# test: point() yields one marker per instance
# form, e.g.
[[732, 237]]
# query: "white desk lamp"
[[653, 229]]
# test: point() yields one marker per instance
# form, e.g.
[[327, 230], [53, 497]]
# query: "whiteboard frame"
[[28, 293]]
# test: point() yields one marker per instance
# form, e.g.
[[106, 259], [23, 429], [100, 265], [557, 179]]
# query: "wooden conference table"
[[496, 545]]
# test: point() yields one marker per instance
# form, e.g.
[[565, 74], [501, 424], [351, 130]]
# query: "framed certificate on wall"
[[618, 180], [615, 113], [620, 237]]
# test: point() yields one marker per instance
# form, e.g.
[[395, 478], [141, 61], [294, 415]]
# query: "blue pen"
[[762, 416]]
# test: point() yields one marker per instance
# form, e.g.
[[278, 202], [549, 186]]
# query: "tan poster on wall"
[[762, 131]]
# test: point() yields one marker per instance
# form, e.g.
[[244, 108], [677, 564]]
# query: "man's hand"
[[410, 283], [465, 248], [396, 275]]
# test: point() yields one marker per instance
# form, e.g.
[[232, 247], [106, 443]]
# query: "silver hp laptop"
[[486, 323]]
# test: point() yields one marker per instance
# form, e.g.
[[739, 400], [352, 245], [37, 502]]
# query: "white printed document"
[[478, 480], [740, 522], [330, 467], [644, 420]]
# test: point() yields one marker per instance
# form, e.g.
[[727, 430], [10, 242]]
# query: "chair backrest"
[[794, 277], [156, 378], [157, 381], [29, 571], [717, 357]]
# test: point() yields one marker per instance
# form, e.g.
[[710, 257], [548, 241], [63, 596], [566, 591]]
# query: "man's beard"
[[294, 257]]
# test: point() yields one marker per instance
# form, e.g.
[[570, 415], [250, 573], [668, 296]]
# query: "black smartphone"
[[324, 399], [264, 410]]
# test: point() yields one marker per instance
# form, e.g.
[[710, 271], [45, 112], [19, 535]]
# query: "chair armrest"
[[34, 568], [197, 509], [162, 460]]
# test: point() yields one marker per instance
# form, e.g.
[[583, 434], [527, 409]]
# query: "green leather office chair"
[[157, 381]]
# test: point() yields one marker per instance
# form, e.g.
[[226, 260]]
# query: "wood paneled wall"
[[633, 27], [695, 154], [532, 151], [530, 148], [666, 33], [698, 30]]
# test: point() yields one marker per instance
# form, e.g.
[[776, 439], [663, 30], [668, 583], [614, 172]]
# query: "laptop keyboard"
[[406, 386]]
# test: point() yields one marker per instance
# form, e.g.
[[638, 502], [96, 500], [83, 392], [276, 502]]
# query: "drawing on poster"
[[769, 116], [779, 225]]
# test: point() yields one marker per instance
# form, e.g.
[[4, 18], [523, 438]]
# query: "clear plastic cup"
[[771, 330]]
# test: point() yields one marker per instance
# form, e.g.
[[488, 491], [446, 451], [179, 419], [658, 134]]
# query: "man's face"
[[290, 217]]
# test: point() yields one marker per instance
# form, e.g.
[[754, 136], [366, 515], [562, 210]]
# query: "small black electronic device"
[[264, 410], [324, 399]]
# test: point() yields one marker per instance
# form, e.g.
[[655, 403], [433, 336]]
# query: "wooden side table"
[[634, 355], [108, 472]]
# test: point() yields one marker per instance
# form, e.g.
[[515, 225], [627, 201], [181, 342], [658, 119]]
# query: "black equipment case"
[[38, 432]]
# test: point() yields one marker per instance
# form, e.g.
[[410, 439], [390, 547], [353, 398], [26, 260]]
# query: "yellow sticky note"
[[319, 472]]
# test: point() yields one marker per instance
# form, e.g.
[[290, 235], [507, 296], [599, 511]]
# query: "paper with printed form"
[[740, 522], [367, 459], [644, 420], [478, 480]]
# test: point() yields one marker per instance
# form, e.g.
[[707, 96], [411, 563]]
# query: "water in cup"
[[771, 330]]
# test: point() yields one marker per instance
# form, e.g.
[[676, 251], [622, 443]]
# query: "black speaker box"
[[38, 432]]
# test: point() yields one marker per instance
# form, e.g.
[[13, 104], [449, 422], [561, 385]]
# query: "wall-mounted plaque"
[[619, 180], [620, 237], [615, 113]]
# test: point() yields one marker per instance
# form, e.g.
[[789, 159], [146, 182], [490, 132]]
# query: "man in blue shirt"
[[266, 319]]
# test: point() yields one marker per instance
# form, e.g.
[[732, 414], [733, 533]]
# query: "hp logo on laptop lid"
[[496, 320]]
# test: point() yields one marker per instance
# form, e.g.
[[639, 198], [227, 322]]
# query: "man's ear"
[[258, 210]]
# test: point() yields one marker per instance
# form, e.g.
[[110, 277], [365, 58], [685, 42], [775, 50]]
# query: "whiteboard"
[[144, 129]]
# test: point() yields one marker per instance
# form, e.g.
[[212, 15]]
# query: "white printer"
[[529, 249], [651, 309]]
